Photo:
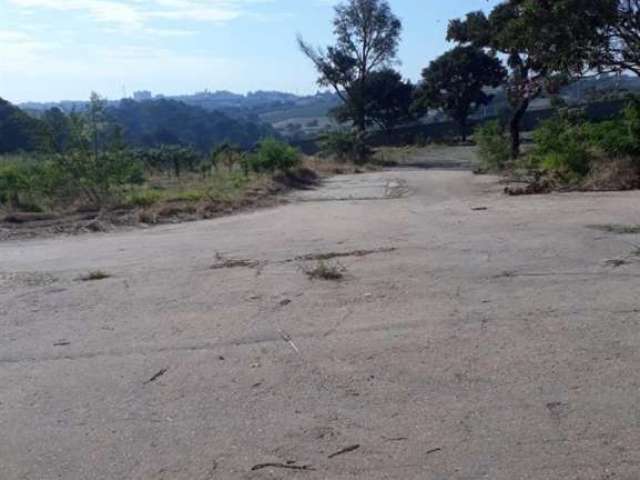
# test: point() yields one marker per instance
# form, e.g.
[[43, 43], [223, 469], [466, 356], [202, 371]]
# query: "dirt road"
[[474, 336]]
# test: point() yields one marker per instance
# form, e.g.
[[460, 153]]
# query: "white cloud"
[[136, 14]]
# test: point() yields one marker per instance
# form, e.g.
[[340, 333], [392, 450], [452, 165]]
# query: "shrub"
[[619, 137], [561, 145], [493, 146], [144, 198], [12, 182], [346, 146], [273, 155]]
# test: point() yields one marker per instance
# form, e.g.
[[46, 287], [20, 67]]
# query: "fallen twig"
[[285, 336], [261, 466], [345, 450], [435, 450], [157, 376]]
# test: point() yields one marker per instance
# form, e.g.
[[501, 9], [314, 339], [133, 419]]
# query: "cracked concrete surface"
[[471, 344]]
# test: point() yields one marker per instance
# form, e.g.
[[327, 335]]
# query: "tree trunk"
[[463, 129], [514, 128]]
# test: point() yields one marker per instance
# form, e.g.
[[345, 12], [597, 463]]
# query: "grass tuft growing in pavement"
[[94, 275]]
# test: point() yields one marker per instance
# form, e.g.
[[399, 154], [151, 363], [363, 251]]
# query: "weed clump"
[[325, 270]]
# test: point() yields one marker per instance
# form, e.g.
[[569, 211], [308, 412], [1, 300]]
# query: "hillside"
[[19, 131], [155, 122]]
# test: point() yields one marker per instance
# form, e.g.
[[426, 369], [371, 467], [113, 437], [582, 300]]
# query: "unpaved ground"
[[474, 336]]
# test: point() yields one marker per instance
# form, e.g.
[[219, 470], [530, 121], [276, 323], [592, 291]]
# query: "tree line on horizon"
[[148, 124], [527, 47]]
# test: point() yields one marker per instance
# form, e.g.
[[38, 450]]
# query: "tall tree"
[[456, 83], [543, 40], [367, 37], [389, 101]]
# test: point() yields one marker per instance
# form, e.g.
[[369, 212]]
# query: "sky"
[[52, 50]]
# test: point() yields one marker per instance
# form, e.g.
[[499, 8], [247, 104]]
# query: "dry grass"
[[613, 174], [324, 270]]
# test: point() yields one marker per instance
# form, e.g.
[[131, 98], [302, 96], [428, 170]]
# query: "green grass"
[[191, 188], [144, 198]]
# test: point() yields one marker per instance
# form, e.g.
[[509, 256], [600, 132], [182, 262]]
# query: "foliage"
[[569, 146], [273, 155], [619, 137], [456, 82], [367, 37], [154, 123], [345, 146], [618, 46], [229, 156], [59, 129], [94, 167], [390, 99], [169, 158], [20, 132], [545, 43], [562, 147], [493, 146]]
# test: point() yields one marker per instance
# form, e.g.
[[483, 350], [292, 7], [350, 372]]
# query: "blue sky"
[[64, 49]]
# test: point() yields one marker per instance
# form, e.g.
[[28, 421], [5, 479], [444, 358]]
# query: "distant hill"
[[21, 132], [144, 124], [154, 122], [261, 106]]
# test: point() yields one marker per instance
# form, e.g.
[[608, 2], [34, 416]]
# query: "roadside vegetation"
[[93, 169], [568, 151]]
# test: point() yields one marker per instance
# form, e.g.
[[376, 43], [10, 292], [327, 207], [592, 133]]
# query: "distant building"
[[142, 95]]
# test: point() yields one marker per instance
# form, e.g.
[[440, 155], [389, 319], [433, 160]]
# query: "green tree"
[[390, 99], [456, 83], [545, 42], [367, 37], [59, 128], [618, 48]]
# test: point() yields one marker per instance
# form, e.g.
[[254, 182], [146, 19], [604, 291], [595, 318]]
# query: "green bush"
[[144, 198], [611, 137], [273, 155], [13, 181], [345, 147], [562, 146], [493, 146], [619, 137]]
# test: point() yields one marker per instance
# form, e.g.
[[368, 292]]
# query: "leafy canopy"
[[456, 82]]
